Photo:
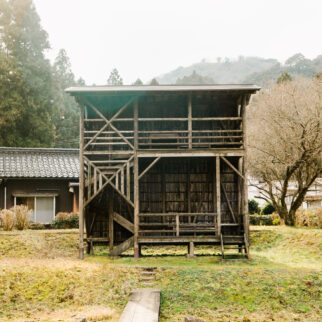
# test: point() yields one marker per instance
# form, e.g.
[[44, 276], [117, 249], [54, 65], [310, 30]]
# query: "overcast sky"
[[145, 38]]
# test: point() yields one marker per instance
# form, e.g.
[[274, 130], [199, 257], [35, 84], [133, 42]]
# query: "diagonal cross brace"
[[149, 167], [108, 181], [108, 122]]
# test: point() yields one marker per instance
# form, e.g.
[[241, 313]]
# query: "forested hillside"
[[244, 70], [223, 71]]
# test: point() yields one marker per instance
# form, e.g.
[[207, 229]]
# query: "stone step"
[[148, 273], [147, 278], [147, 284], [148, 268]]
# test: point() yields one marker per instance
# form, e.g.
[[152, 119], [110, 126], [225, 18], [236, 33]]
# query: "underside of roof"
[[114, 90], [39, 163]]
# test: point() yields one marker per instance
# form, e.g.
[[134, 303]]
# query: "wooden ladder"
[[242, 243]]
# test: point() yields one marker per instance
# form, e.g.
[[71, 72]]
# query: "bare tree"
[[285, 142]]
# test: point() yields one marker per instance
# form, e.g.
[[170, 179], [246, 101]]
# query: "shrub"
[[253, 206], [37, 226], [22, 214], [268, 209], [64, 220], [7, 219], [276, 219], [62, 215], [309, 218], [261, 220]]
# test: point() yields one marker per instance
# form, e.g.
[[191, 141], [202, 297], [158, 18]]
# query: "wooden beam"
[[230, 165], [81, 184], [117, 181], [163, 191], [184, 153], [128, 181], [228, 202], [191, 249], [218, 201], [95, 180], [177, 225], [214, 190], [148, 167], [110, 218], [245, 183], [190, 121], [122, 180], [89, 180], [188, 190], [119, 249], [123, 222], [209, 214], [239, 190], [136, 180]]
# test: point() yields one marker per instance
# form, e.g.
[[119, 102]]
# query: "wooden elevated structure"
[[163, 165]]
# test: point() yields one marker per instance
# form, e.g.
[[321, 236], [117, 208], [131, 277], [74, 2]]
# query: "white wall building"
[[313, 198]]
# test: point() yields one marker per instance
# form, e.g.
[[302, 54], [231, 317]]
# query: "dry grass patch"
[[39, 243], [293, 247], [32, 287]]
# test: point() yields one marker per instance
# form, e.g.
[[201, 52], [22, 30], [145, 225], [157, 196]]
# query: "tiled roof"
[[39, 163]]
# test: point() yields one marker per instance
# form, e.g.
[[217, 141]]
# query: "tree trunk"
[[290, 218]]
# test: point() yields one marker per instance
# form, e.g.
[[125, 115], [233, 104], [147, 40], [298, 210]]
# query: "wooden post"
[[218, 195], [122, 181], [89, 181], [95, 180], [177, 225], [100, 181], [81, 185], [128, 181], [191, 249], [117, 181], [188, 191], [214, 190], [110, 218], [136, 181], [245, 183], [163, 191], [239, 186], [189, 122]]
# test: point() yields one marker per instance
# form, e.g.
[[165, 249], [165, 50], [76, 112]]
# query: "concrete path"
[[143, 305]]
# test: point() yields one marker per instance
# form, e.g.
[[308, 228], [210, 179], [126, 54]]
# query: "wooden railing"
[[175, 225], [166, 135]]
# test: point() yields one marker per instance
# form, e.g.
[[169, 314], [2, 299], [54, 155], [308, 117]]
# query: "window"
[[43, 206]]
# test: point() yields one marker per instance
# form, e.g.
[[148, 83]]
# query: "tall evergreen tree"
[[31, 99], [138, 82], [66, 119], [154, 82], [285, 77], [115, 78]]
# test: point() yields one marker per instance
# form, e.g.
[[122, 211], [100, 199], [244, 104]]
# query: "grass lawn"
[[42, 280]]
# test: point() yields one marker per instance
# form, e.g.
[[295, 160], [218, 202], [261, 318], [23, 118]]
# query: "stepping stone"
[[147, 277], [143, 305], [147, 273], [147, 283]]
